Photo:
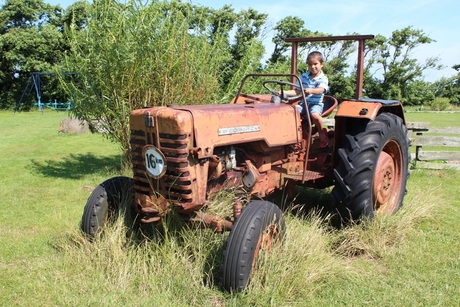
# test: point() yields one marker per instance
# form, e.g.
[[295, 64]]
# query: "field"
[[409, 259]]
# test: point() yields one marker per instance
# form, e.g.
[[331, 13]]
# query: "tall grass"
[[374, 238], [407, 259], [158, 272], [180, 266]]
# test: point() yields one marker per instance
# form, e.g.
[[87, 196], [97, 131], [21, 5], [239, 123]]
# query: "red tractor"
[[183, 155]]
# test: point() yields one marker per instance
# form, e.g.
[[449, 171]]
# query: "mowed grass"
[[409, 259], [436, 119]]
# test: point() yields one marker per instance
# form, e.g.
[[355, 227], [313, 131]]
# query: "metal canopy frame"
[[360, 69]]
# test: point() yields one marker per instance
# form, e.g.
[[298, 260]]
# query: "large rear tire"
[[260, 225], [103, 205], [372, 168]]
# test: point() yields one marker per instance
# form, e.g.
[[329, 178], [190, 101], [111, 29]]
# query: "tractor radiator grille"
[[176, 183]]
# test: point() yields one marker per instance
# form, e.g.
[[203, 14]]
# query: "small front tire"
[[260, 225], [104, 204]]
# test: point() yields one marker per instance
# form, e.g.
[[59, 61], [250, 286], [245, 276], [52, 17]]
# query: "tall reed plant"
[[140, 54]]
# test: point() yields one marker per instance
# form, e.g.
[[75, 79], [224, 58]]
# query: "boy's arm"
[[308, 91], [315, 91], [291, 92]]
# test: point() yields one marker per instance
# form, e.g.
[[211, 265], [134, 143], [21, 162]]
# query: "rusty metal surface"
[[151, 207], [219, 125], [357, 109], [187, 137], [388, 179], [171, 132], [184, 155], [217, 223], [252, 98]]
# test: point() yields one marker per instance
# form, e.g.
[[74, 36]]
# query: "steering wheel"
[[284, 98]]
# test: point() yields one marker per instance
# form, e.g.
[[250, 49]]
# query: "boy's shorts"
[[313, 108], [316, 108]]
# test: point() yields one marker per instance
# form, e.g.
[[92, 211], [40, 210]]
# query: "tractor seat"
[[329, 105]]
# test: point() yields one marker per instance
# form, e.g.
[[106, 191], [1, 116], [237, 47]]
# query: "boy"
[[315, 84]]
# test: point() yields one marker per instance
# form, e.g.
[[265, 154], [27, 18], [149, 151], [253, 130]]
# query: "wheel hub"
[[384, 181], [267, 240]]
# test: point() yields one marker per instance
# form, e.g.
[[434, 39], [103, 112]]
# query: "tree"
[[337, 68], [290, 26], [247, 50], [401, 74], [449, 87], [390, 70], [76, 15], [220, 22], [30, 41]]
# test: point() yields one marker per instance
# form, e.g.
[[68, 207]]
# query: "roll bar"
[[360, 69]]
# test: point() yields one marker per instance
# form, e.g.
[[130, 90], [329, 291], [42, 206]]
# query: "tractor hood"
[[211, 126]]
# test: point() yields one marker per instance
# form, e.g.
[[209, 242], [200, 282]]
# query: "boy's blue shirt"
[[319, 81]]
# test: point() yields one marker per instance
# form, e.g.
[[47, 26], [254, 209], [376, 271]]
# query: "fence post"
[[418, 128]]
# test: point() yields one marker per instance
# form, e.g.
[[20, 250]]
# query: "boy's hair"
[[315, 54]]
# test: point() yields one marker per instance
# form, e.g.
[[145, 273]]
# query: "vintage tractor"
[[183, 155]]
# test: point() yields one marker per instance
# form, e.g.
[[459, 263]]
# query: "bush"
[[440, 104], [135, 55]]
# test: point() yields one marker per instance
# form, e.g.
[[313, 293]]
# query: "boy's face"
[[314, 66]]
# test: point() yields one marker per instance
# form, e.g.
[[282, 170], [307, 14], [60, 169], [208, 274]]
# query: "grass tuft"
[[376, 237], [299, 265]]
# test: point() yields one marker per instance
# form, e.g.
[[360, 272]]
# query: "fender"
[[368, 108], [352, 111]]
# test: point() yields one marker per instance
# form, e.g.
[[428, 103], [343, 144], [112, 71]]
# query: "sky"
[[438, 19]]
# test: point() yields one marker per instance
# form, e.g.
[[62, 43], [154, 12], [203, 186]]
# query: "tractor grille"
[[176, 183]]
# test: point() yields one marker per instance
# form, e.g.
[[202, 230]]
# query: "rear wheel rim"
[[388, 179]]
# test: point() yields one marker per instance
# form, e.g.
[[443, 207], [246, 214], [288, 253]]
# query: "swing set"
[[35, 82]]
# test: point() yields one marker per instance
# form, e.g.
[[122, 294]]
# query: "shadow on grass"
[[76, 166], [309, 200]]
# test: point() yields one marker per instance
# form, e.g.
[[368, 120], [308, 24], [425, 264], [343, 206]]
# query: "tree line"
[[131, 54]]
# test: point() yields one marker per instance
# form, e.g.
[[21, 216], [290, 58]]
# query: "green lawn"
[[46, 177], [436, 119], [409, 259]]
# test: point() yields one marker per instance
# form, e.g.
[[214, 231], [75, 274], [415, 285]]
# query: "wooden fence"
[[433, 147], [438, 141]]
